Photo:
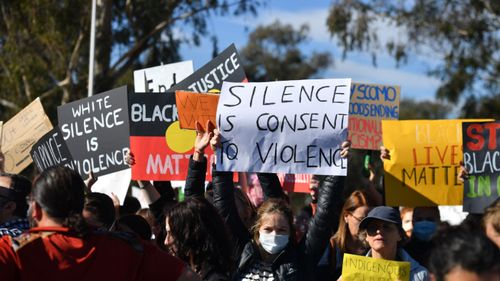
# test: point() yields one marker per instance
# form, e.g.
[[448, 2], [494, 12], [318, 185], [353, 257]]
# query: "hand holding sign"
[[202, 139]]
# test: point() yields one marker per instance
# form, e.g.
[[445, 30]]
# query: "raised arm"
[[225, 203], [271, 185], [325, 221], [195, 181]]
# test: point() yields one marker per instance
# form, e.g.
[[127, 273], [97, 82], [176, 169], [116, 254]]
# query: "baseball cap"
[[383, 213]]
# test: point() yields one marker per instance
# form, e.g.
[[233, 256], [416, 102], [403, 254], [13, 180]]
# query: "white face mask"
[[273, 243]]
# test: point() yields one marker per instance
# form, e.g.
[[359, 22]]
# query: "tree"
[[273, 53], [463, 34], [44, 44], [410, 109]]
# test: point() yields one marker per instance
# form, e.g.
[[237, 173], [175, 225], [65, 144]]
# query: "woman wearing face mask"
[[269, 251], [425, 224], [382, 230]]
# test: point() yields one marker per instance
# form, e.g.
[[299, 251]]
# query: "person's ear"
[[37, 211]]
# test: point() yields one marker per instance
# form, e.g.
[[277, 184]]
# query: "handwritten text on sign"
[[194, 107], [425, 161], [369, 105], [96, 130], [287, 126], [360, 268], [482, 161], [160, 78], [20, 133], [51, 150]]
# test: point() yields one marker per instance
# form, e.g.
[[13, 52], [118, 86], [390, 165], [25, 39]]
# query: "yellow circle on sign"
[[179, 140]]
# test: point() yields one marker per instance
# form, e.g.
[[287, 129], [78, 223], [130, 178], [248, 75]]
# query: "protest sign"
[[295, 182], [287, 126], [193, 107], [482, 162], [159, 79], [116, 183], [361, 268], [424, 164], [20, 133], [161, 149], [371, 103], [96, 130], [225, 67], [51, 150]]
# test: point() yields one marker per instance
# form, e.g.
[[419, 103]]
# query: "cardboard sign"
[[159, 79], [20, 133], [96, 130], [287, 126], [360, 268], [51, 150], [424, 164], [370, 104], [193, 107], [482, 161], [161, 149], [295, 182], [225, 67]]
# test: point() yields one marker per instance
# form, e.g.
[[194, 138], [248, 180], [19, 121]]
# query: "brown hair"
[[273, 205], [355, 200]]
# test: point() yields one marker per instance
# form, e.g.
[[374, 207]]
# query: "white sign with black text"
[[286, 126]]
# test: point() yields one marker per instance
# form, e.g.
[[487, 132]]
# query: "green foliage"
[[413, 110], [273, 53], [44, 45], [463, 34]]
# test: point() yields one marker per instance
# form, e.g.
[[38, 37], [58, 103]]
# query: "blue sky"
[[411, 77]]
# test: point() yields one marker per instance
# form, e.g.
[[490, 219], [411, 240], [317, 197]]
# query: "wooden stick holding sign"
[[192, 107]]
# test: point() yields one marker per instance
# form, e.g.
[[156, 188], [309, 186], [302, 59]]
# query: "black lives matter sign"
[[96, 130]]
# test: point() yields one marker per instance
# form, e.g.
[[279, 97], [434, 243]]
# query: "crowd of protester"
[[56, 228]]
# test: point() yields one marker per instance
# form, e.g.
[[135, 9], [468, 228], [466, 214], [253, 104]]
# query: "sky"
[[411, 77]]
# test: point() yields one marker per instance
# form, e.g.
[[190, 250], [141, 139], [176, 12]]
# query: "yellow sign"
[[425, 162], [360, 268], [20, 133]]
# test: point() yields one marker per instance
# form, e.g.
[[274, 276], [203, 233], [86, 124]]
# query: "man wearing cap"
[[13, 206], [383, 231]]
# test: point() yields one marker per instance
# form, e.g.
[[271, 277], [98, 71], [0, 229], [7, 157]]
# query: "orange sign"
[[192, 107]]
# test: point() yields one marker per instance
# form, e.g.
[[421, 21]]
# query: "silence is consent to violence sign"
[[286, 126]]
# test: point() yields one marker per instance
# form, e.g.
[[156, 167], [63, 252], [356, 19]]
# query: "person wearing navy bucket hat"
[[383, 231]]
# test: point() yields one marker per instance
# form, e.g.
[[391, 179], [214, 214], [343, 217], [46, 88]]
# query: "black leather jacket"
[[296, 262]]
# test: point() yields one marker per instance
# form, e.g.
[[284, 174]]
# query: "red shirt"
[[55, 254]]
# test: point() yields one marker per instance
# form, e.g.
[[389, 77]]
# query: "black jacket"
[[296, 262]]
